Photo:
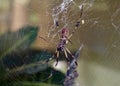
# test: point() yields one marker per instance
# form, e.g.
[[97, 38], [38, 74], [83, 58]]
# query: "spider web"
[[100, 33]]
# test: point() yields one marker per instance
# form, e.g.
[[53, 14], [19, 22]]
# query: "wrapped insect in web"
[[72, 73]]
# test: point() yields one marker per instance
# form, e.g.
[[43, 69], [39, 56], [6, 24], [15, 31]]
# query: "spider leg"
[[68, 40], [57, 56], [72, 32], [49, 59], [77, 23], [66, 55], [71, 54], [53, 56], [68, 51]]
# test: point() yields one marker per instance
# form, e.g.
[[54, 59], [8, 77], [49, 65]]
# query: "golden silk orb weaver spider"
[[64, 38]]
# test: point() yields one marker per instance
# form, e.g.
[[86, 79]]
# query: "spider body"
[[61, 44], [63, 39], [60, 47]]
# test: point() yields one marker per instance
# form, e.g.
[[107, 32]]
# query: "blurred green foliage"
[[16, 42], [22, 66]]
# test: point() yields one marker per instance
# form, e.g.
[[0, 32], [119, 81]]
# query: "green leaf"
[[36, 78], [17, 41]]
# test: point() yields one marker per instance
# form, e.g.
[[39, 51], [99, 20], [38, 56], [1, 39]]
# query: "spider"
[[64, 38]]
